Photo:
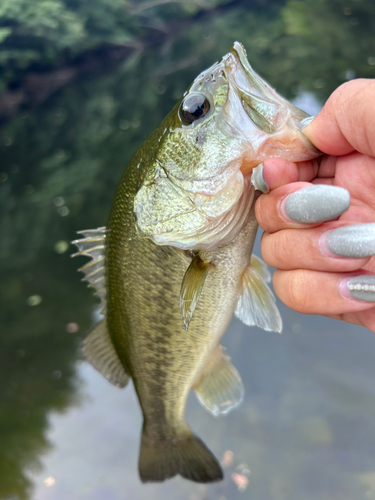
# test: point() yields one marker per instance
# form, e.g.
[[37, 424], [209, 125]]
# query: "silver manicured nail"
[[317, 203], [362, 287], [303, 123], [356, 240], [257, 179]]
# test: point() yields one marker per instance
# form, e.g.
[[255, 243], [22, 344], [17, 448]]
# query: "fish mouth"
[[255, 81], [274, 117]]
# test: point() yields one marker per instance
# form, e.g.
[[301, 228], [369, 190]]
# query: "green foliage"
[[37, 31], [294, 17], [46, 33], [327, 42], [43, 19]]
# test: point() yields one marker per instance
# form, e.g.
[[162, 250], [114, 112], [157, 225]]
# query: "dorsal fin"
[[93, 245]]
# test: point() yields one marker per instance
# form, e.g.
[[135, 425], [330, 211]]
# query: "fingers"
[[347, 120], [277, 172], [315, 292], [290, 206], [321, 248], [344, 125], [327, 167]]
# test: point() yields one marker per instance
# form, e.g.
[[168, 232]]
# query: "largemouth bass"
[[174, 262]]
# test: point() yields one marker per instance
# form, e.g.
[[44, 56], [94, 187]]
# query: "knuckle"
[[345, 89], [277, 249], [295, 290], [266, 249], [261, 211]]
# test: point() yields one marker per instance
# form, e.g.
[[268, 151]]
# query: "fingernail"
[[257, 179], [306, 121], [317, 203], [359, 287], [356, 240]]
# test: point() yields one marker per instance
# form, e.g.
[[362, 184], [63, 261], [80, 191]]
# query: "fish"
[[175, 262]]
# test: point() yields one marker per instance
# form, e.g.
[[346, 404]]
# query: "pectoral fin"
[[260, 267], [256, 305], [220, 388], [100, 352], [191, 288]]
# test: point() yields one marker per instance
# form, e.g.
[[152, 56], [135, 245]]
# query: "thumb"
[[347, 120]]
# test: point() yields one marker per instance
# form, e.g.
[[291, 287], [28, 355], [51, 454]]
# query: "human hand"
[[320, 271]]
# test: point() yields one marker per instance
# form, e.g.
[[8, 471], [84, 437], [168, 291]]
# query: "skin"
[[307, 275]]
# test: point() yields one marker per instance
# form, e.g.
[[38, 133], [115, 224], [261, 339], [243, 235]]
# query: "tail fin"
[[187, 456]]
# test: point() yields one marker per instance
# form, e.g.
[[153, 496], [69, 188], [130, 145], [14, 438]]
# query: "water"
[[306, 427]]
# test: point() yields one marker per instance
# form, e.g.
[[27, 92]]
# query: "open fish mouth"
[[278, 123], [266, 115]]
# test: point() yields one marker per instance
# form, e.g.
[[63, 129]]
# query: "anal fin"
[[100, 352], [191, 288], [256, 305], [220, 388]]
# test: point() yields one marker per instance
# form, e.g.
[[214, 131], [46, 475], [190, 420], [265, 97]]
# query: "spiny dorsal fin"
[[93, 245], [256, 305], [100, 352], [220, 388], [191, 288]]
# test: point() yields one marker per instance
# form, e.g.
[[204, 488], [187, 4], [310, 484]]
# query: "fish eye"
[[193, 107]]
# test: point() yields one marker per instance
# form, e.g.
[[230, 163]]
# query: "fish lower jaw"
[[248, 165]]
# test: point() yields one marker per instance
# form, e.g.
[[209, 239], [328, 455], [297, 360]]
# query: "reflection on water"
[[306, 428]]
